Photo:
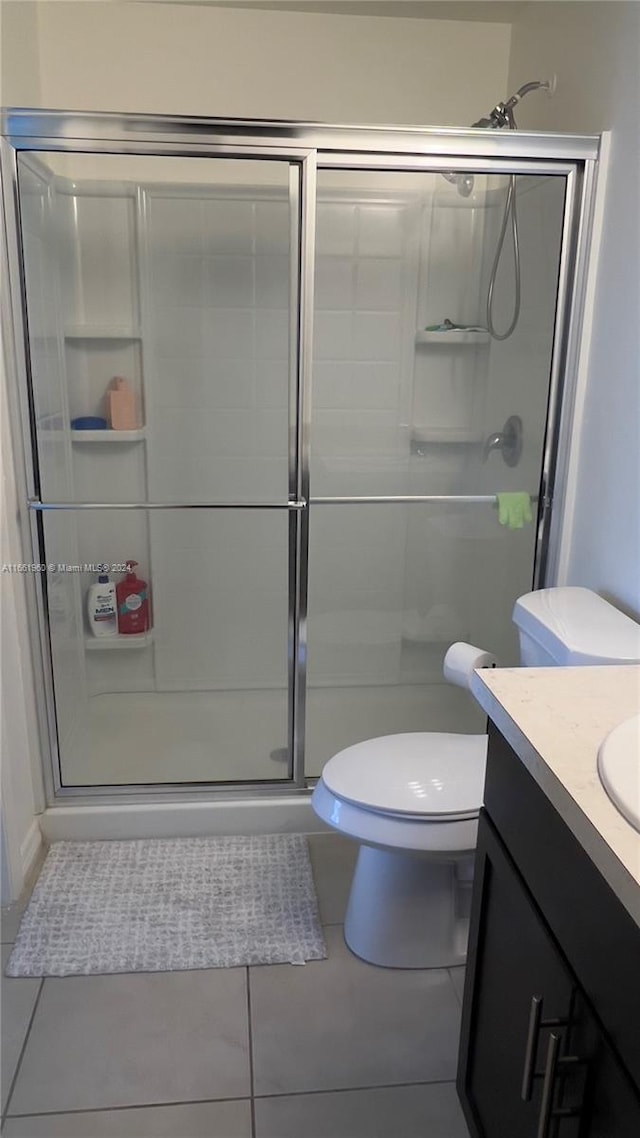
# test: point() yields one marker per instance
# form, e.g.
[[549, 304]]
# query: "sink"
[[619, 768]]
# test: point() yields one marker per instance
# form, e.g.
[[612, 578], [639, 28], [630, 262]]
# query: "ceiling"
[[493, 11]]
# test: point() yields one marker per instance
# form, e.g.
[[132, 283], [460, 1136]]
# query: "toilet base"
[[403, 910]]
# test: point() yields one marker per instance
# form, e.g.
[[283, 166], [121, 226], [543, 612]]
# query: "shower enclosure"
[[322, 422]]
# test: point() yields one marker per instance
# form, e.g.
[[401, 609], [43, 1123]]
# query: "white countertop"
[[555, 719]]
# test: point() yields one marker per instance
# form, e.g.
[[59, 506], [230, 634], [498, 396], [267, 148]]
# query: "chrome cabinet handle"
[[536, 1021], [548, 1086], [533, 1031], [553, 1062]]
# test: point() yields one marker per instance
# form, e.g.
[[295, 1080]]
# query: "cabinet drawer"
[[599, 938]]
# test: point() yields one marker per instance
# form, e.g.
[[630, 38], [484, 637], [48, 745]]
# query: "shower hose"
[[509, 215]]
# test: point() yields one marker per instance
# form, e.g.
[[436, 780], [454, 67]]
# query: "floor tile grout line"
[[251, 1079], [459, 996], [129, 1106], [364, 1087], [233, 1098], [22, 1050]]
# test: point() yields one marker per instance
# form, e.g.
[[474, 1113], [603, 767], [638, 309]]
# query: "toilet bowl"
[[412, 800]]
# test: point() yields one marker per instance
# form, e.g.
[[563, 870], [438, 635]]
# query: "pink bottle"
[[122, 405]]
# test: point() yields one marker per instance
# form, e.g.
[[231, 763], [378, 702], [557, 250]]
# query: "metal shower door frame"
[[309, 147], [302, 203]]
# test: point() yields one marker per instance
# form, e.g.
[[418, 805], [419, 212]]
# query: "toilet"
[[412, 800]]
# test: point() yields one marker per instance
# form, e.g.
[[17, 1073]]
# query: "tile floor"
[[334, 1049]]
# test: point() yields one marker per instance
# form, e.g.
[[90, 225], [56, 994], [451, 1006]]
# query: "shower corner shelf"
[[455, 337], [109, 436], [101, 332], [118, 643]]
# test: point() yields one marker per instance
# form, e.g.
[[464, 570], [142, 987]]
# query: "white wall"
[[593, 48], [41, 241], [19, 55], [181, 58]]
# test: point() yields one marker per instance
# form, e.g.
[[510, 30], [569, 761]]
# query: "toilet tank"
[[570, 626]]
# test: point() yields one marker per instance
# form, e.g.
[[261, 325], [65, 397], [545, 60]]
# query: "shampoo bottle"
[[122, 405], [101, 607], [133, 603]]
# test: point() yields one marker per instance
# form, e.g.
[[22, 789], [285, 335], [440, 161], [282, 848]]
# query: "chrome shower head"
[[501, 116]]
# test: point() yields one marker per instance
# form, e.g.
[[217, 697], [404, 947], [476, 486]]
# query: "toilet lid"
[[420, 773]]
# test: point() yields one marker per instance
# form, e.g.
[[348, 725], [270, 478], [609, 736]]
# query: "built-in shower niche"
[[100, 279], [92, 361]]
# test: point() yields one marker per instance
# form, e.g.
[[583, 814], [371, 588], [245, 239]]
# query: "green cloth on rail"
[[514, 509]]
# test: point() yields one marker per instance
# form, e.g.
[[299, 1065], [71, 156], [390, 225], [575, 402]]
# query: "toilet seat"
[[435, 837], [418, 776]]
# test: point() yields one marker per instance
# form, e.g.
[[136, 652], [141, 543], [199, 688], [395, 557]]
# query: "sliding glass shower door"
[[277, 410], [162, 298], [420, 417]]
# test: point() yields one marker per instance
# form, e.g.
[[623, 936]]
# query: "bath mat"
[[159, 905]]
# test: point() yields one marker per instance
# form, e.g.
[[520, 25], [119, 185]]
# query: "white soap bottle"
[[102, 607]]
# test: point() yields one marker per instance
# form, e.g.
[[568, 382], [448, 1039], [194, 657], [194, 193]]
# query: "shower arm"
[[502, 114]]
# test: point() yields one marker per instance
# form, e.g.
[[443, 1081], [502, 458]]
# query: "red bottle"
[[132, 595]]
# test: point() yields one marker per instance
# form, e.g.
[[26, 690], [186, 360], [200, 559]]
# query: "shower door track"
[[307, 147]]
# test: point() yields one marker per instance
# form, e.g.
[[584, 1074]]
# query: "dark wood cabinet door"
[[610, 1101], [512, 959]]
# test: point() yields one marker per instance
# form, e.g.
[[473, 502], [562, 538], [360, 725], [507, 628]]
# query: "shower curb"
[[179, 819]]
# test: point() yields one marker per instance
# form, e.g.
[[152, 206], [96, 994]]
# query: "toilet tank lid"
[[575, 625]]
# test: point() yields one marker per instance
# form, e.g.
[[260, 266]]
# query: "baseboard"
[[30, 850]]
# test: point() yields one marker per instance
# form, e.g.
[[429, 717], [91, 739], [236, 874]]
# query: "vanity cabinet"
[[550, 1044]]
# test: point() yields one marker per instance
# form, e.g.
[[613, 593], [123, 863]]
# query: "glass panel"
[[391, 586], [411, 394], [408, 384], [202, 696], [171, 276]]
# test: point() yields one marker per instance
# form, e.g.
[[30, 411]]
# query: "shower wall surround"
[[51, 410], [176, 274], [218, 309]]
